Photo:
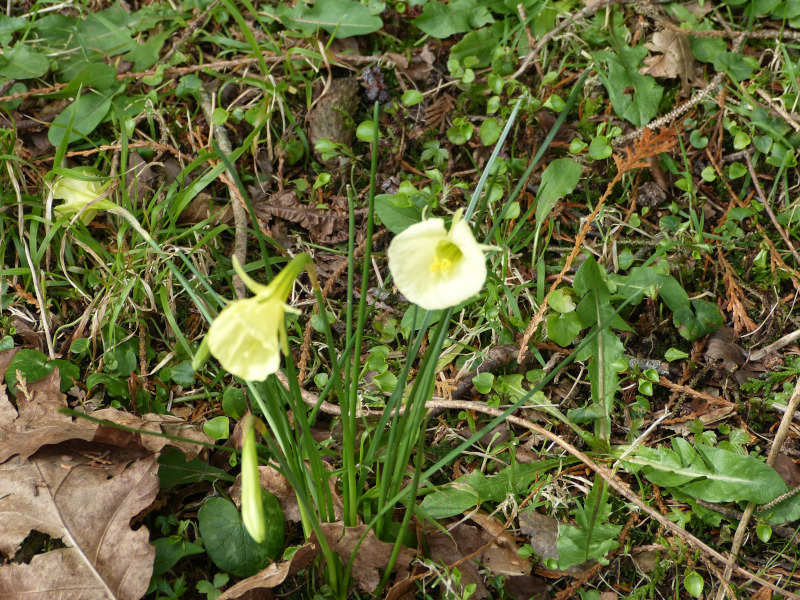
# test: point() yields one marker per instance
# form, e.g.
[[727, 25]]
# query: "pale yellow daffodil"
[[81, 195], [248, 335], [252, 499], [435, 267]]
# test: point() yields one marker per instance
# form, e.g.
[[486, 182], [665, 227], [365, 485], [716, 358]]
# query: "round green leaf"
[[697, 139], [600, 149], [32, 364], [230, 546], [675, 354], [737, 170], [764, 532], [563, 329], [708, 174], [576, 145], [217, 428], [219, 116], [490, 131], [233, 403], [366, 131], [693, 582], [412, 97], [483, 382]]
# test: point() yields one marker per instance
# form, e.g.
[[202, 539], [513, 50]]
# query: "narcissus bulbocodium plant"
[[435, 267], [81, 195], [248, 335]]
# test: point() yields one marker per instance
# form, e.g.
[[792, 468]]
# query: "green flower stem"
[[349, 408], [408, 429], [392, 403], [350, 491]]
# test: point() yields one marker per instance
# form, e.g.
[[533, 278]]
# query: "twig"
[[777, 443], [774, 346]]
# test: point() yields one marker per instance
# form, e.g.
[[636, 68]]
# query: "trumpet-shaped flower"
[[436, 268], [79, 194], [247, 336], [252, 500]]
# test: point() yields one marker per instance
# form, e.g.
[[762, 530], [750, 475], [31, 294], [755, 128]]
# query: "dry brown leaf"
[[501, 556], [526, 587], [324, 226], [372, 556], [420, 66], [273, 575], [763, 593], [36, 422], [738, 303], [788, 470], [674, 58], [542, 531], [722, 348], [64, 493], [437, 112], [645, 557], [465, 540], [645, 146]]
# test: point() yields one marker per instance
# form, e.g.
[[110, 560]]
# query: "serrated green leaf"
[[710, 474], [640, 106], [340, 18], [559, 179], [441, 20]]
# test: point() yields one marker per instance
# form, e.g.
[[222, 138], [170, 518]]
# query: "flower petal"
[[244, 337], [422, 276]]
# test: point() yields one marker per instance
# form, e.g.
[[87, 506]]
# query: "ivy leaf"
[[693, 324], [459, 16], [340, 18], [623, 73]]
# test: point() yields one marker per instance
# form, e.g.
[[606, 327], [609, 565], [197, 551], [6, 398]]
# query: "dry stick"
[[237, 203], [774, 346], [603, 472], [786, 422], [768, 208]]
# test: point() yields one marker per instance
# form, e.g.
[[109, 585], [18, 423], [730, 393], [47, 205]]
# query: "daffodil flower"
[[248, 335], [435, 267], [81, 195], [252, 500]]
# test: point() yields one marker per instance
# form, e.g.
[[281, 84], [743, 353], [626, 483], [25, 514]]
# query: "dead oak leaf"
[[88, 506], [36, 422], [371, 557], [674, 58]]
